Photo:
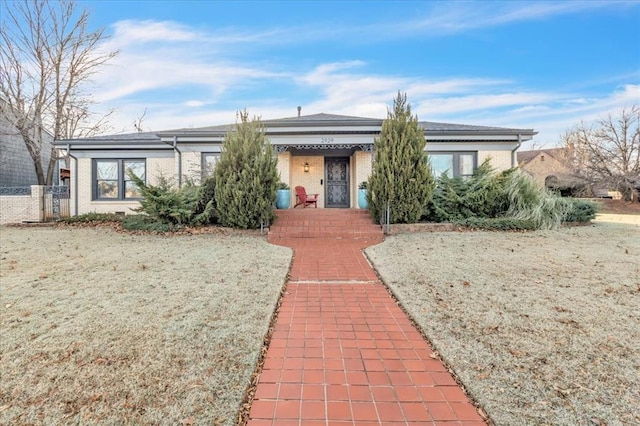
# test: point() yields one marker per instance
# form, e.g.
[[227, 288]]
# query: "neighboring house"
[[548, 167], [16, 165], [327, 154]]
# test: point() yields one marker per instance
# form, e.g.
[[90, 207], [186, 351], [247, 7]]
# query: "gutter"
[[75, 180], [513, 152], [177, 151]]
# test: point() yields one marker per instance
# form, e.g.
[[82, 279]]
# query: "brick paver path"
[[343, 352]]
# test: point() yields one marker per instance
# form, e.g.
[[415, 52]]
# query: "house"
[[548, 167], [16, 165], [551, 168], [327, 154]]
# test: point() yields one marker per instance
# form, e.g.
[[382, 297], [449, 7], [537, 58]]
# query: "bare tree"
[[608, 151], [47, 55], [139, 122]]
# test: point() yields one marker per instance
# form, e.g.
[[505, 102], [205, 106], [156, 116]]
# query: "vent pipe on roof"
[[299, 110]]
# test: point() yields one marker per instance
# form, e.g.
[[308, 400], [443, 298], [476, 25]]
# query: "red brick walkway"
[[343, 352]]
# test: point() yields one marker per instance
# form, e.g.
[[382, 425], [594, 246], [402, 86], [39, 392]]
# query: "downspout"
[[175, 148], [75, 180], [513, 152]]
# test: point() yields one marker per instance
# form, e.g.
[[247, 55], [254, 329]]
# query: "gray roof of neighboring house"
[[313, 120], [525, 156]]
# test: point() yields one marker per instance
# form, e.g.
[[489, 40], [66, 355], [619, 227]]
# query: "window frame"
[[121, 179], [455, 173]]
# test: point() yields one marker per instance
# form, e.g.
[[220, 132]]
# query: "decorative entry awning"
[[321, 146]]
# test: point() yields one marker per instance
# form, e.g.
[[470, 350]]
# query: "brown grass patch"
[[541, 327], [107, 328]]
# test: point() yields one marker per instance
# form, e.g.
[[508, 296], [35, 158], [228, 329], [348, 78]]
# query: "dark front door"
[[337, 182]]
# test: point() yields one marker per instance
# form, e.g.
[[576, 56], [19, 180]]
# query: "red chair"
[[303, 199]]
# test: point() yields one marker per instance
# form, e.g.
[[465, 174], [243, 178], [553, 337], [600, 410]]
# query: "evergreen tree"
[[246, 177], [401, 176]]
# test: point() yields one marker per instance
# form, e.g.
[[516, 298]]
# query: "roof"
[[526, 156], [313, 123]]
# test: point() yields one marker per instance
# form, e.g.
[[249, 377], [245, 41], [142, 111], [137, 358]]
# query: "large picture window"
[[455, 164], [111, 178]]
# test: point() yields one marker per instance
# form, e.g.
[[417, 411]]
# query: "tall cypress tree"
[[246, 177], [401, 177]]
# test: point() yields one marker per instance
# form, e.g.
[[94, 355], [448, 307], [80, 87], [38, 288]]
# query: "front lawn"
[[542, 327], [105, 328]]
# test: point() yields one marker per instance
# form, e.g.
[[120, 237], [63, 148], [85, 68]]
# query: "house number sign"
[[326, 140]]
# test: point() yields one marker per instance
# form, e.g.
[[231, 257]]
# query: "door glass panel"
[[337, 189]]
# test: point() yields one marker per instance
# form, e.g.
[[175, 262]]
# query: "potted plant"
[[283, 196], [362, 195]]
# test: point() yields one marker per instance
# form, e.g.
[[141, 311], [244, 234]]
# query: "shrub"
[[530, 202], [94, 217], [582, 211], [204, 210], [246, 177], [174, 206], [282, 186], [498, 224], [401, 177], [141, 222], [363, 185], [481, 195]]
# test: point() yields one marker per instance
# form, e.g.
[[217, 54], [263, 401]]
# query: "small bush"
[[141, 222], [282, 186], [498, 224], [94, 217], [582, 211]]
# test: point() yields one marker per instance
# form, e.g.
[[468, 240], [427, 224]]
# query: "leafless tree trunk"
[[47, 54], [609, 151]]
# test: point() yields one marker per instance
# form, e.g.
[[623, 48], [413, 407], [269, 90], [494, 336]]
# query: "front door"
[[337, 182]]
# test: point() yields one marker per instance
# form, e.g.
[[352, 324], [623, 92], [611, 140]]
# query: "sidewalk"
[[343, 352]]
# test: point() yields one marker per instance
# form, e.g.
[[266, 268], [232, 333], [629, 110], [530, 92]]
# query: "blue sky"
[[542, 65]]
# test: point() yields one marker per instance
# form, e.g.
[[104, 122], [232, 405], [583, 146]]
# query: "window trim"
[[121, 179], [455, 173]]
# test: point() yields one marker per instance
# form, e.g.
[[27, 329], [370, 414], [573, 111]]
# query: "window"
[[209, 160], [455, 164], [112, 180]]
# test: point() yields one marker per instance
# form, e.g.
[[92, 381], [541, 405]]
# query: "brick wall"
[[310, 180], [543, 165], [500, 160], [22, 208]]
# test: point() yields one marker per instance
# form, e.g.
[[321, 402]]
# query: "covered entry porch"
[[332, 172]]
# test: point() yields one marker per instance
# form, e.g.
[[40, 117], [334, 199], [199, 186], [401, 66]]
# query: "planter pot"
[[362, 199], [283, 198]]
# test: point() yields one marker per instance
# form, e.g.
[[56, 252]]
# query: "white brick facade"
[[300, 140]]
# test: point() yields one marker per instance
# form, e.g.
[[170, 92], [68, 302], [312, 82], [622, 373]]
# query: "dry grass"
[[106, 328], [542, 327]]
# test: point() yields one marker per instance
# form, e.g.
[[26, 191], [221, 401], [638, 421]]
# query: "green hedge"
[[498, 224], [94, 217], [141, 222]]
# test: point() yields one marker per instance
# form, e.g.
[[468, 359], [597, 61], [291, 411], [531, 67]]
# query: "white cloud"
[[179, 75]]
